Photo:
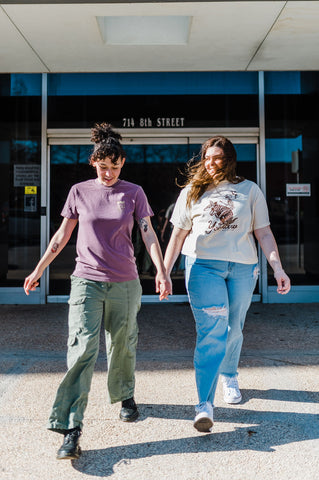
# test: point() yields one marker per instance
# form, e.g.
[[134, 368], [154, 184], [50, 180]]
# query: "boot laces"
[[72, 436]]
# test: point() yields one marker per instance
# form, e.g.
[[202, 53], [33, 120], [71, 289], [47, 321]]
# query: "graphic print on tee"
[[121, 204], [222, 213]]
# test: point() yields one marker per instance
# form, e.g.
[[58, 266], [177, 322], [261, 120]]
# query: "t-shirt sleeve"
[[69, 210], [181, 217], [260, 211], [142, 207]]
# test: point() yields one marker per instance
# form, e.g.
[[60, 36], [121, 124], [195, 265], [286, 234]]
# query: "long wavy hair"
[[197, 176], [107, 143]]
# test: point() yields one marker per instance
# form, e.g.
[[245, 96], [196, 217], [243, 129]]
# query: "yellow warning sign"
[[30, 190]]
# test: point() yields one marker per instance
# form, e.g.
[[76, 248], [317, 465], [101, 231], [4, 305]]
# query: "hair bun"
[[103, 132]]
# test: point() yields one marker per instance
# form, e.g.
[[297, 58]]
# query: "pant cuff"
[[59, 428]]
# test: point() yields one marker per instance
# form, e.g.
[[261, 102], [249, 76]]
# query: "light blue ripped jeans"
[[220, 294]]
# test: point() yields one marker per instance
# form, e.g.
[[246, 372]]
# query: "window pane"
[[20, 173], [69, 165], [292, 149]]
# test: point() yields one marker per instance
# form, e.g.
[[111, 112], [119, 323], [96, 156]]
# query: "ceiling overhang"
[[37, 37]]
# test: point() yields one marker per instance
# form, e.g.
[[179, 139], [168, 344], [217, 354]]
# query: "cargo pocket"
[[76, 299], [74, 338], [75, 348]]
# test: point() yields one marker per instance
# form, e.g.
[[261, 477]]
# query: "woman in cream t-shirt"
[[216, 219]]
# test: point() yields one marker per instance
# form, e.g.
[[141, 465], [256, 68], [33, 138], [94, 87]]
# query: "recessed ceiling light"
[[145, 30]]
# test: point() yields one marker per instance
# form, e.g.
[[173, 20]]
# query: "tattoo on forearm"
[[143, 225], [54, 247]]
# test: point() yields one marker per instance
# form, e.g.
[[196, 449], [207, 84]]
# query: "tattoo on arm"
[[143, 225], [54, 247]]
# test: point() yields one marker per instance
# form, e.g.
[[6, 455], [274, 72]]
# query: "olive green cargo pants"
[[90, 303]]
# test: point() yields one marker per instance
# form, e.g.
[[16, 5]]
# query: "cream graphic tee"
[[222, 222]]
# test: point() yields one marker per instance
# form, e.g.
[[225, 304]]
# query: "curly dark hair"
[[198, 177], [107, 143]]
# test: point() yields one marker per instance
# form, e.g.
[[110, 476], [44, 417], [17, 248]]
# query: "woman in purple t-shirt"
[[104, 285]]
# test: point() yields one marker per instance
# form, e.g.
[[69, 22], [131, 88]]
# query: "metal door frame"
[[130, 137]]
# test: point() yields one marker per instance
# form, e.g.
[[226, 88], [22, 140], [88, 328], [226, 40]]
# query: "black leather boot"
[[129, 412], [70, 448]]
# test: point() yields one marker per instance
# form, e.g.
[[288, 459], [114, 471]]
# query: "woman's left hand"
[[163, 286], [283, 282]]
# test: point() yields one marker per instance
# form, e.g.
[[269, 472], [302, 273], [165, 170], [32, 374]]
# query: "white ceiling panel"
[[252, 35], [16, 55], [293, 42], [224, 36]]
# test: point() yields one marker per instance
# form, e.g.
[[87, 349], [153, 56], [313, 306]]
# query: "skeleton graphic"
[[222, 213]]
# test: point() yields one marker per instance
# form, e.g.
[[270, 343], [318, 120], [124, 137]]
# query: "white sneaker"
[[231, 389], [203, 421]]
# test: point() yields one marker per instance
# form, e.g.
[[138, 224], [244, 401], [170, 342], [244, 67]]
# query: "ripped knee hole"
[[216, 311]]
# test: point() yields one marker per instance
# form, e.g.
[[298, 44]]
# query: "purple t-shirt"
[[106, 218]]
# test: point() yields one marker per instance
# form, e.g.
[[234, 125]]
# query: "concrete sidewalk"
[[272, 435]]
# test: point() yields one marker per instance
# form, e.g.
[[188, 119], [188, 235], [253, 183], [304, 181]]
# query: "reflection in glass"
[[153, 83]]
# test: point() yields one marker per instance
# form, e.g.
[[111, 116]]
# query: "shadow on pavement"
[[263, 432]]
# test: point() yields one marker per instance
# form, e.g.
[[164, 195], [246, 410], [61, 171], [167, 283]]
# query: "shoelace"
[[71, 436], [203, 406], [232, 383], [130, 403]]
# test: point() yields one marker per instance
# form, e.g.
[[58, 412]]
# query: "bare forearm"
[[154, 250], [174, 248], [269, 247], [56, 245], [162, 283]]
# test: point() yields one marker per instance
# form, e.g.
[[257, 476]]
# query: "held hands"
[[283, 282], [163, 286]]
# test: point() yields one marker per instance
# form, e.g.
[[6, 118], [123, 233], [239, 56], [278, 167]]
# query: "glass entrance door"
[[68, 165], [157, 164]]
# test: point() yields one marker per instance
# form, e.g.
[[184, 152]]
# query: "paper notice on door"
[[298, 189], [26, 175]]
